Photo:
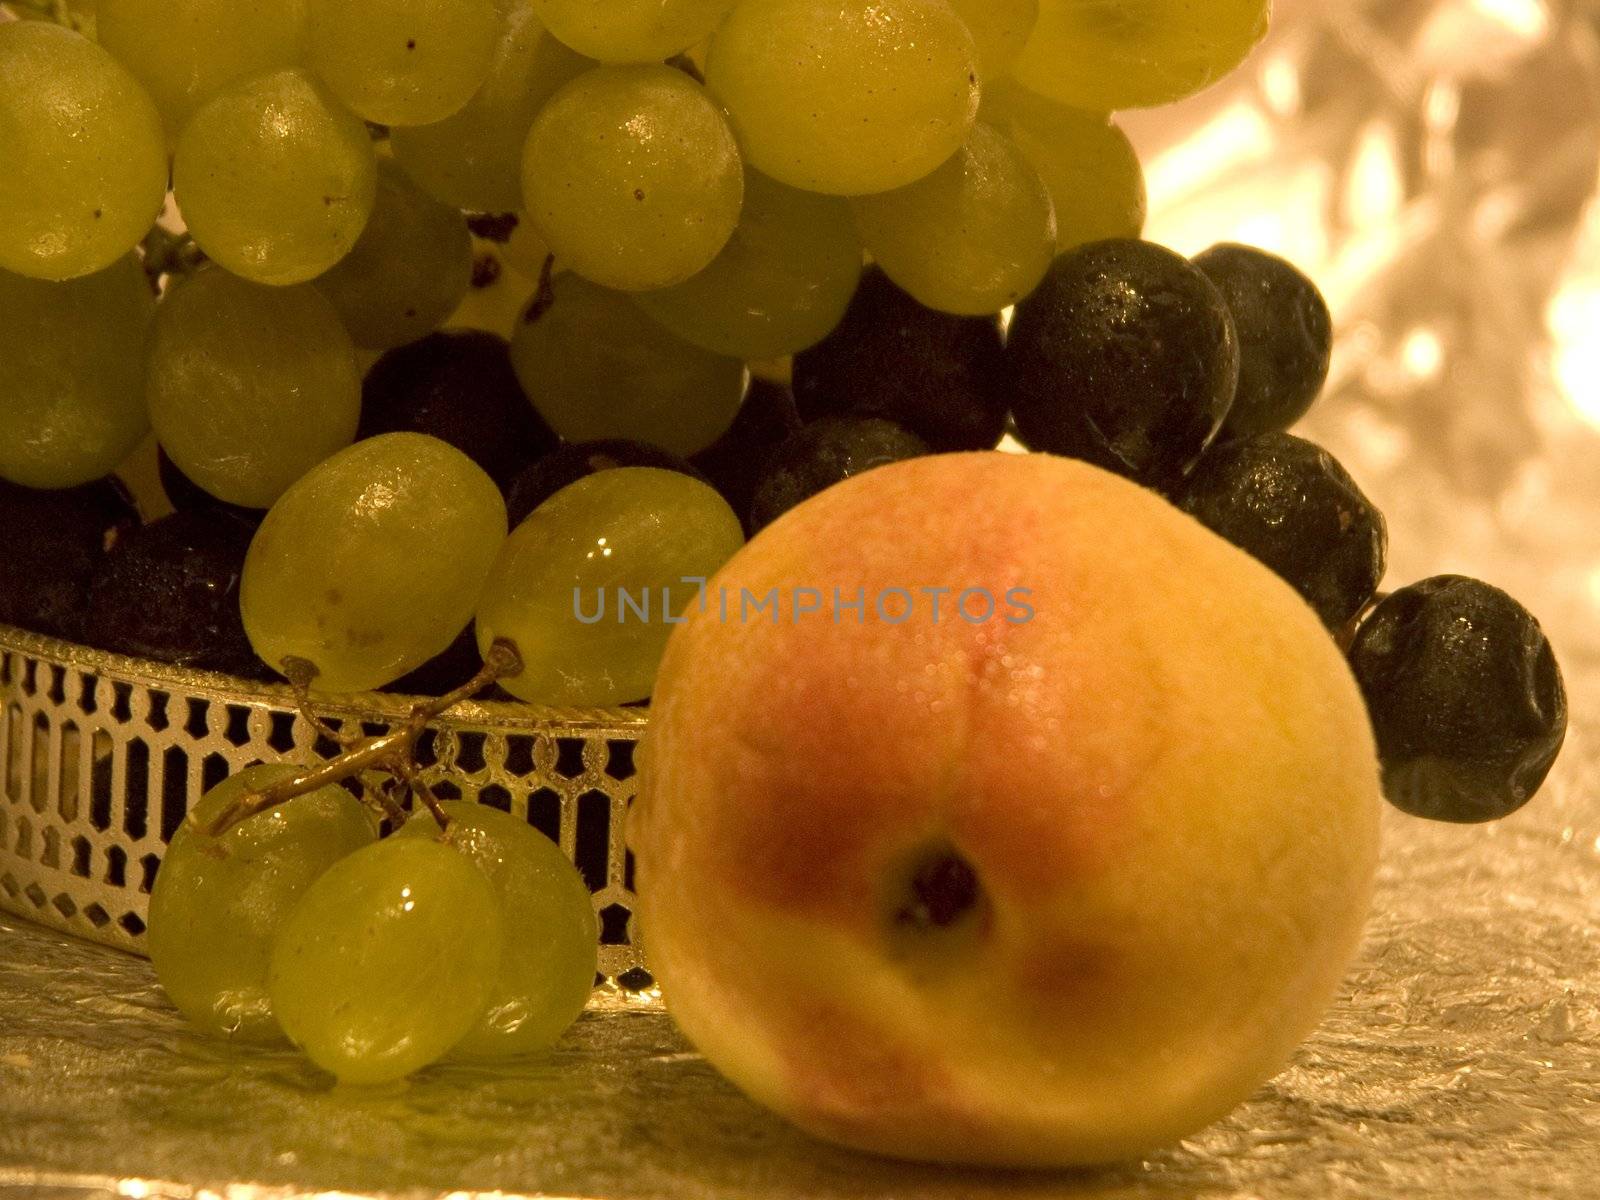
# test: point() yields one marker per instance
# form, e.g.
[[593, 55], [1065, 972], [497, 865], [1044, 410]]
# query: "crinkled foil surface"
[[1434, 164]]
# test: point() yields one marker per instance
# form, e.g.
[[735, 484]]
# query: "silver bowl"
[[101, 757]]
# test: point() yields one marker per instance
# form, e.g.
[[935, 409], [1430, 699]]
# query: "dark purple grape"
[[459, 387], [1291, 505], [942, 377], [1124, 356], [52, 544], [188, 496], [1285, 337], [564, 467], [734, 463], [170, 591], [824, 453], [1466, 699]]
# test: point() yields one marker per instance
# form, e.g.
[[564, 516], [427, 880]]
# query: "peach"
[[1024, 892]]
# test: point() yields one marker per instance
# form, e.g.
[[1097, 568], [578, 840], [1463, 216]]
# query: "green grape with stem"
[[71, 388], [219, 901], [84, 154], [409, 270], [185, 51], [249, 387], [388, 960], [846, 96], [402, 62], [631, 31], [597, 368], [373, 562], [588, 589], [547, 965], [1095, 179], [1136, 53], [473, 159], [633, 177], [972, 238], [781, 283], [275, 178]]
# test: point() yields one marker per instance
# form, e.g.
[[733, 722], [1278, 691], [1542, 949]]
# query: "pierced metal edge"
[[540, 722], [377, 706]]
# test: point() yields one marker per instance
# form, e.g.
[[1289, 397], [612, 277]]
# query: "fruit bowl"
[[104, 755]]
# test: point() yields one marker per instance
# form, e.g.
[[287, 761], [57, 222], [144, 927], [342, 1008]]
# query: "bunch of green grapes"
[[641, 204], [476, 939]]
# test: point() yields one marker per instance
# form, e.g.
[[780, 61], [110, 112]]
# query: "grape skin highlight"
[[972, 238], [473, 159], [548, 964], [84, 152], [846, 96], [71, 374], [598, 369], [409, 270], [218, 901], [373, 562], [639, 529], [403, 62], [633, 177], [781, 283], [387, 961], [250, 387]]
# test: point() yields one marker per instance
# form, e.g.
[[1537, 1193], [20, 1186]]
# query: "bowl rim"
[[229, 689]]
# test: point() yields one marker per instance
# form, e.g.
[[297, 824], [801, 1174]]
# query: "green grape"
[[185, 51], [1088, 164], [547, 967], [879, 93], [1000, 28], [71, 374], [1136, 53], [403, 62], [631, 31], [633, 177], [473, 159], [410, 268], [781, 283], [975, 236], [589, 587], [219, 901], [373, 562], [275, 179], [388, 960], [596, 367], [85, 158], [249, 387]]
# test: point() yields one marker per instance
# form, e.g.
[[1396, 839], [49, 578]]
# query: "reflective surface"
[[1463, 1061]]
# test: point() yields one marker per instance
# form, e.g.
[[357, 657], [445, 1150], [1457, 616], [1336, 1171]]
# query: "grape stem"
[[301, 673], [394, 752], [1346, 637], [168, 254], [545, 296]]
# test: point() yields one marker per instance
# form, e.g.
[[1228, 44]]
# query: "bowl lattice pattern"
[[101, 756]]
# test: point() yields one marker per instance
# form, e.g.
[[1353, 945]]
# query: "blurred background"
[[1433, 164]]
